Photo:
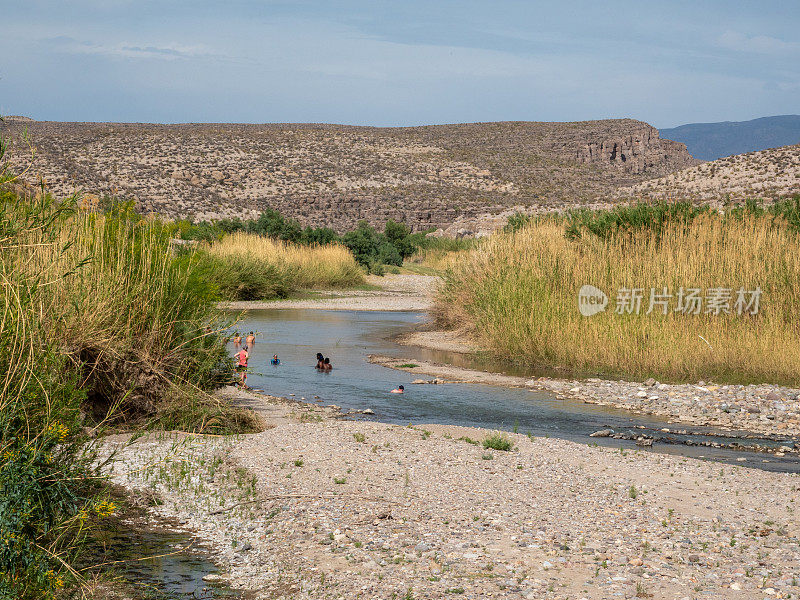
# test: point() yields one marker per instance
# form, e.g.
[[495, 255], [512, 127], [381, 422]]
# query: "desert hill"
[[334, 175], [767, 174], [710, 141]]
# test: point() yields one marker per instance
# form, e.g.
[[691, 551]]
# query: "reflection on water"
[[347, 337], [162, 564]]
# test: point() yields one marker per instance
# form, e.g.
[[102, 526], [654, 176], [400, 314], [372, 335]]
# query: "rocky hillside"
[[334, 175], [767, 174]]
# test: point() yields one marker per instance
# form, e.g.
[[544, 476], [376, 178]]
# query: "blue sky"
[[401, 62]]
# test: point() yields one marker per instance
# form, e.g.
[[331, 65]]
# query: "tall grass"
[[98, 319], [116, 300], [247, 266], [518, 294], [435, 255]]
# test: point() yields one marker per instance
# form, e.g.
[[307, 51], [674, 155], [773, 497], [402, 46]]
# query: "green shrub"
[[498, 441]]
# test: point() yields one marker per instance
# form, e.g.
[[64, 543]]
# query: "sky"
[[400, 62]]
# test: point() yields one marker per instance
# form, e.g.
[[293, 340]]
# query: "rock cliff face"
[[641, 152], [335, 175]]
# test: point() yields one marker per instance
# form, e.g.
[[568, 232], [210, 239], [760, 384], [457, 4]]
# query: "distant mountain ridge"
[[710, 141]]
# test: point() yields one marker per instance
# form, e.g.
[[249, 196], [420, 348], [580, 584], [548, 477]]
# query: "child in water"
[[326, 365], [275, 360]]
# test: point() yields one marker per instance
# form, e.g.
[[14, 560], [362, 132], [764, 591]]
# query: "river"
[[348, 337]]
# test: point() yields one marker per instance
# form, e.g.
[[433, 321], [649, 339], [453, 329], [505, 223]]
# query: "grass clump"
[[518, 293], [246, 266], [498, 441]]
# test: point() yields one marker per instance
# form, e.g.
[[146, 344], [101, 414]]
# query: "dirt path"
[[395, 293]]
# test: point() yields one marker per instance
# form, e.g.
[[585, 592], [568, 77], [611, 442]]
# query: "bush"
[[246, 278], [363, 242], [498, 441], [388, 254], [368, 246], [398, 235]]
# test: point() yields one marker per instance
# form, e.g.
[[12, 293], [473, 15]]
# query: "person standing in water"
[[275, 360], [320, 361], [242, 355], [251, 340], [237, 341], [326, 365]]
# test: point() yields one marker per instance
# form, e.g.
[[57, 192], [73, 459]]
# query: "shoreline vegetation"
[[517, 293], [246, 266], [375, 251], [104, 327]]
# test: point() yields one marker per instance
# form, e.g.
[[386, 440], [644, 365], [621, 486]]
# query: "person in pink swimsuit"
[[242, 355]]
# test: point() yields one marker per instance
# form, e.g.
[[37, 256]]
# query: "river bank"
[[767, 410], [320, 507], [391, 293]]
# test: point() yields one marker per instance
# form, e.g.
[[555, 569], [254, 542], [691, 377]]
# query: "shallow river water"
[[348, 337]]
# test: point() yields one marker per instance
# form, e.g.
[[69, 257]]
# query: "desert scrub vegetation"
[[518, 292], [247, 266], [102, 322], [372, 249]]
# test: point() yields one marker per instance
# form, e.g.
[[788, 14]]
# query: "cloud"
[[168, 51], [759, 44]]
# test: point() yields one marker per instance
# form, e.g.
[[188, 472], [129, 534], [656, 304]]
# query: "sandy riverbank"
[[394, 293], [319, 507]]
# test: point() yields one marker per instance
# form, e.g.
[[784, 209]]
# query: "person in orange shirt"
[[242, 355]]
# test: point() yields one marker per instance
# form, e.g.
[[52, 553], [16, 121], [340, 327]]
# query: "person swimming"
[[275, 360], [398, 390]]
